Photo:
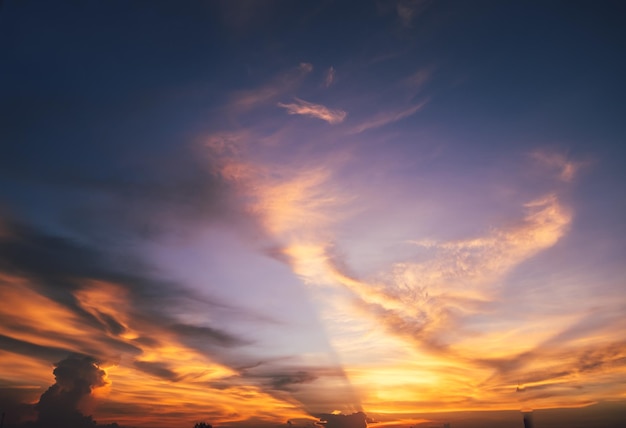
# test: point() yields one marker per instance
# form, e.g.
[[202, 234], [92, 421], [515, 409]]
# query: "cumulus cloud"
[[60, 405], [318, 111]]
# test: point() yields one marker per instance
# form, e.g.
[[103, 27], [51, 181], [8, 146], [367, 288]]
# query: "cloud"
[[558, 373], [428, 302], [419, 79], [60, 405], [243, 101], [383, 119], [61, 296], [126, 238], [297, 201], [67, 296], [563, 358], [163, 196], [419, 297], [158, 369], [207, 335], [284, 200], [476, 260], [287, 380], [29, 349], [314, 110], [330, 77], [565, 168], [408, 10], [435, 306]]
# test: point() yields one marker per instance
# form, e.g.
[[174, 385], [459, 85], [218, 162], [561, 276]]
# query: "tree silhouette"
[[202, 425]]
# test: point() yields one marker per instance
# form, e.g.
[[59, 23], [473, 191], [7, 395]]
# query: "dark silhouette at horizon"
[[528, 419]]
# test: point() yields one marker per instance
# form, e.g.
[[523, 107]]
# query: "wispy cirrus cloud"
[[242, 101], [408, 10], [305, 108], [424, 302], [416, 300], [386, 118], [436, 308], [418, 79], [330, 77], [565, 168]]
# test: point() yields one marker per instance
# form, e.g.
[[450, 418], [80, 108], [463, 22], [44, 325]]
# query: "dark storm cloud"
[[76, 376]]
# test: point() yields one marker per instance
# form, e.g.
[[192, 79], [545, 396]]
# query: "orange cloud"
[[151, 387], [319, 111]]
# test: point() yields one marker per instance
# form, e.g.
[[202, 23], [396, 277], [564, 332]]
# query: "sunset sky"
[[249, 212]]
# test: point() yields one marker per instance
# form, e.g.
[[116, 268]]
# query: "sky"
[[254, 212]]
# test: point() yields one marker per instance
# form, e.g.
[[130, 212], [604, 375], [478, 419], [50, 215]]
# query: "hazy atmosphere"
[[399, 213]]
